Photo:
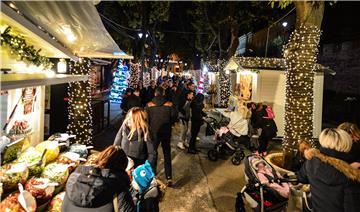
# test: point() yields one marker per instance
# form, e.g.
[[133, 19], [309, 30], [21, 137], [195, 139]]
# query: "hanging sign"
[[28, 99]]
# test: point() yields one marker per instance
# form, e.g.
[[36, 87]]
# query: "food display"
[[11, 204], [10, 150], [80, 149], [32, 158], [40, 188], [56, 172], [52, 148], [56, 202], [11, 175], [70, 158]]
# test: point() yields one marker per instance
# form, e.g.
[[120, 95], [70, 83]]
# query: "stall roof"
[[260, 63], [76, 24], [14, 81], [34, 36]]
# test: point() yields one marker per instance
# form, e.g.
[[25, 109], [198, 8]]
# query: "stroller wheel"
[[213, 155], [236, 161]]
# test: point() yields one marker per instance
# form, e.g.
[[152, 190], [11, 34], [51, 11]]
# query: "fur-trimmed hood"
[[340, 165]]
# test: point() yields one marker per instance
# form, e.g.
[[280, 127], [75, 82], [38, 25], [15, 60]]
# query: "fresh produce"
[[32, 158], [40, 188], [81, 149], [11, 175], [91, 159], [52, 150], [56, 202], [70, 158], [10, 151], [56, 172], [11, 204]]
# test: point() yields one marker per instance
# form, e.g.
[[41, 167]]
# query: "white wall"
[[269, 87]]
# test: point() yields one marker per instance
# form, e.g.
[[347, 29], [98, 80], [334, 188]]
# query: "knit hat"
[[255, 161], [143, 175]]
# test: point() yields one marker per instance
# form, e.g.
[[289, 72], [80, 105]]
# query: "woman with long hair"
[[353, 156], [134, 137], [103, 186]]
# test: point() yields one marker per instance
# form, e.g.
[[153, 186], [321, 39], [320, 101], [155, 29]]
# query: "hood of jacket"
[[159, 100], [340, 165], [91, 187]]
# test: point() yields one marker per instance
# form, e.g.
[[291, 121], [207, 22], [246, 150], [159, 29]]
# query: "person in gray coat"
[[134, 137]]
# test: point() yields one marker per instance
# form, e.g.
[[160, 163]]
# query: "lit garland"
[[19, 47], [134, 75], [80, 112], [146, 79], [224, 90], [219, 66], [300, 62]]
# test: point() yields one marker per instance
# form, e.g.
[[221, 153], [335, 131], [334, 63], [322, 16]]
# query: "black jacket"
[[162, 115], [332, 189], [150, 93], [92, 189], [197, 113], [130, 102], [136, 147]]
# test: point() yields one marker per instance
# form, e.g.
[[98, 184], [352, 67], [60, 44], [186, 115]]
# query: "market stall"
[[33, 171], [263, 80]]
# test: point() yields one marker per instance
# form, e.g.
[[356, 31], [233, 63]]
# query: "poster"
[[246, 87], [28, 96]]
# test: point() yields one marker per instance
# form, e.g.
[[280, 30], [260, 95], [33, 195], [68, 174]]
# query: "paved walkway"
[[199, 184]]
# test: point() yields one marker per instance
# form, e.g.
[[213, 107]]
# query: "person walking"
[[133, 100], [162, 114], [93, 188], [197, 114], [134, 137], [184, 116], [150, 91]]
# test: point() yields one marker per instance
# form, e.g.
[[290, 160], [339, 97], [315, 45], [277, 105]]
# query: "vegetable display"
[[70, 158], [56, 202], [80, 149], [11, 175], [56, 172], [40, 188], [52, 150], [11, 204], [32, 158], [91, 159]]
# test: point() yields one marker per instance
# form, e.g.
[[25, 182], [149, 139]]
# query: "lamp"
[[61, 66], [284, 24]]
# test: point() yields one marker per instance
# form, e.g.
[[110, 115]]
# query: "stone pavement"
[[199, 184]]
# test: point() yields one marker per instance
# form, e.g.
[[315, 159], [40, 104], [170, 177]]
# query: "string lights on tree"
[[80, 112], [224, 90], [120, 83], [134, 75], [300, 62], [146, 79]]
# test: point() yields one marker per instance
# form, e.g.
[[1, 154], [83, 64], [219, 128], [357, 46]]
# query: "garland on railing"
[[19, 47]]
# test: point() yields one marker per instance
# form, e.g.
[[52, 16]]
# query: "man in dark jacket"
[[133, 100], [150, 91], [162, 115]]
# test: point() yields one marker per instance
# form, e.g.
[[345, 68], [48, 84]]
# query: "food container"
[[56, 172], [33, 160], [80, 149], [41, 188], [56, 202], [52, 148], [11, 175], [11, 204], [70, 158]]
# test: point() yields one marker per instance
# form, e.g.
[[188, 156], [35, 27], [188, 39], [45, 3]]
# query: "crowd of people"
[[127, 169]]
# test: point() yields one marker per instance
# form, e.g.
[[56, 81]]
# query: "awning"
[[76, 24]]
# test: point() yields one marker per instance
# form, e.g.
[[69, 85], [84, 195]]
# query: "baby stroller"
[[260, 197], [227, 144]]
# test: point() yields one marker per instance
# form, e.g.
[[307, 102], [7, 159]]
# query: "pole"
[[267, 40]]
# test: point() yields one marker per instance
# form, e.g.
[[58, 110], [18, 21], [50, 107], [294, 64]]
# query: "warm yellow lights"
[[61, 66], [69, 34]]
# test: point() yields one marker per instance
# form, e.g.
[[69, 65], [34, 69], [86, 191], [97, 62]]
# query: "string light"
[[146, 79], [224, 90], [134, 75], [119, 85], [80, 112], [23, 51], [300, 62]]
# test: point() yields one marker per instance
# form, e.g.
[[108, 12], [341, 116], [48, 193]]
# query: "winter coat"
[[92, 189], [268, 126], [162, 115], [185, 111], [150, 93], [130, 102], [197, 113], [137, 147], [334, 184]]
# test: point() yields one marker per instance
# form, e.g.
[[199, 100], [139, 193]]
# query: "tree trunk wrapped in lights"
[[224, 90], [134, 75], [300, 59], [80, 113]]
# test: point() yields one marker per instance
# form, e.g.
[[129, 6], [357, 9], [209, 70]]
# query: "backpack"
[[270, 113]]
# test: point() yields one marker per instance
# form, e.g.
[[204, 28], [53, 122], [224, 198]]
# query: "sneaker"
[[186, 144], [180, 145], [169, 183]]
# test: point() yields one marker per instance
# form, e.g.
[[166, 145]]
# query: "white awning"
[[76, 24]]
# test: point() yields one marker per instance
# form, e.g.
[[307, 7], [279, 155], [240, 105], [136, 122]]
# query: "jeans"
[[195, 129], [166, 148], [184, 129]]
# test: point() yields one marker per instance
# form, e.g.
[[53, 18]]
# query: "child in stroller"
[[230, 137], [266, 189]]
